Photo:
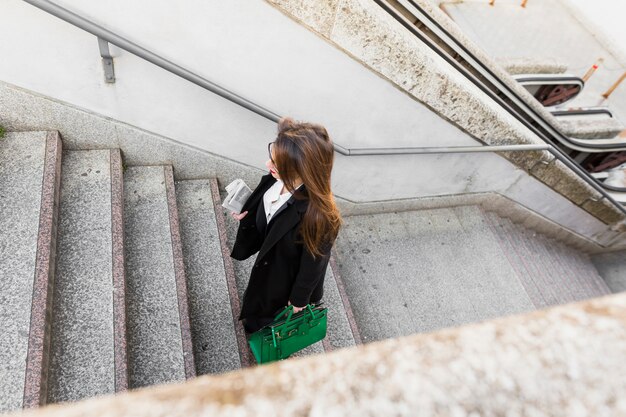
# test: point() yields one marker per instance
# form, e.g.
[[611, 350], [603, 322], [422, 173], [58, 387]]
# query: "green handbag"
[[285, 336]]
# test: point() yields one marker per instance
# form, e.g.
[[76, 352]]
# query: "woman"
[[292, 221]]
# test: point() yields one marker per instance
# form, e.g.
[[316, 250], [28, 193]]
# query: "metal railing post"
[[614, 86]]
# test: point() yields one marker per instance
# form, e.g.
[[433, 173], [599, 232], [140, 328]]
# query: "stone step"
[[590, 129], [30, 172], [557, 281], [502, 230], [573, 275], [419, 271], [556, 272], [87, 356], [537, 274], [593, 284], [159, 336], [214, 339], [342, 330]]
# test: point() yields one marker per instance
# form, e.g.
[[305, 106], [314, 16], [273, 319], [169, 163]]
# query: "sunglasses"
[[269, 151]]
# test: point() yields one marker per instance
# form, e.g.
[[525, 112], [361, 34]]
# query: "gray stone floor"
[[415, 272]]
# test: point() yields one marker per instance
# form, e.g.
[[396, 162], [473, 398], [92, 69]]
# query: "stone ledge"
[[318, 14], [515, 66], [562, 361], [590, 129], [367, 33]]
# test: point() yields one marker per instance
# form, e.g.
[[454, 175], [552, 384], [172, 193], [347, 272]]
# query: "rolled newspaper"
[[238, 193]]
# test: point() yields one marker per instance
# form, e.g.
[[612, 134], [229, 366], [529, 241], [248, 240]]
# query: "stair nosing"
[[244, 353], [120, 331], [36, 373], [179, 274]]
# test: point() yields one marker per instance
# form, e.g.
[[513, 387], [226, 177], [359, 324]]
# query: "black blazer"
[[284, 270]]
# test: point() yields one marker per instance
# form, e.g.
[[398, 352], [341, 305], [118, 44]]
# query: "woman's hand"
[[240, 216], [296, 309]]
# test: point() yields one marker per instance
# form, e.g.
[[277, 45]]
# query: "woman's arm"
[[311, 272], [239, 216]]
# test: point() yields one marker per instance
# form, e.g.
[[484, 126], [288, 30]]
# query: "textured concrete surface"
[[605, 211], [612, 268], [419, 271], [510, 243], [550, 277], [590, 129], [154, 334], [82, 359], [552, 272], [314, 14], [529, 65], [215, 344], [21, 173], [563, 362], [563, 265]]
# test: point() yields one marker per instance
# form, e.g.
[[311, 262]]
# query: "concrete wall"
[[246, 46], [612, 267], [256, 51]]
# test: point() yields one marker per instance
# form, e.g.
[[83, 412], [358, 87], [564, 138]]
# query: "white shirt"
[[273, 199]]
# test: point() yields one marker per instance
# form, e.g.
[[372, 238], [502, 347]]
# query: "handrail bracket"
[[107, 61]]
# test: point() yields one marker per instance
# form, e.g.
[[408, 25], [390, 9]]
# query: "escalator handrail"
[[583, 111]]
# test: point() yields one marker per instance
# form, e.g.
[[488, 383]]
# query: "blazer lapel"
[[293, 210], [266, 182]]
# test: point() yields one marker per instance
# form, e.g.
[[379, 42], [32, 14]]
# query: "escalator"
[[606, 167], [411, 15], [551, 89]]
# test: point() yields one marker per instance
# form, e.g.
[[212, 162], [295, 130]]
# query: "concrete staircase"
[[136, 287]]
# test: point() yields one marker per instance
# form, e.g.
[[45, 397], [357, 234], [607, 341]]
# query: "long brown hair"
[[305, 150]]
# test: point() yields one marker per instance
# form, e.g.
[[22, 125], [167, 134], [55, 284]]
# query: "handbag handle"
[[289, 309]]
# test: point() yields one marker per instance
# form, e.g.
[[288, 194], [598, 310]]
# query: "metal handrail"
[[97, 30], [123, 43], [100, 32]]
